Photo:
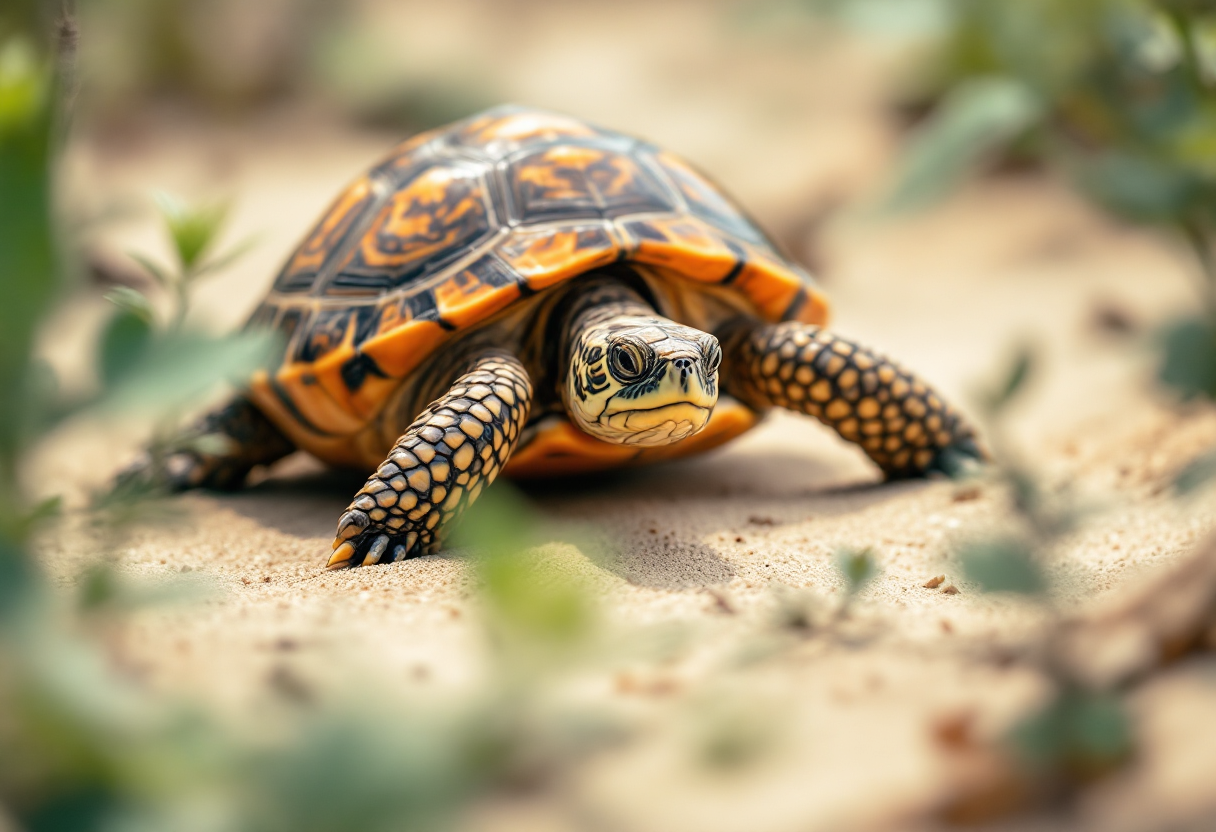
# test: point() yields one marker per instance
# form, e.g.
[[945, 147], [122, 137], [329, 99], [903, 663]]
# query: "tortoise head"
[[642, 380]]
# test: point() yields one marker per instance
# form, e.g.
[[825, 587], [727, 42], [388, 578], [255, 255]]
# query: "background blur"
[[1015, 198]]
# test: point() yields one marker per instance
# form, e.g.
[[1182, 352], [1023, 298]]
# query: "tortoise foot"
[[962, 455], [180, 470], [362, 541], [217, 452], [447, 456]]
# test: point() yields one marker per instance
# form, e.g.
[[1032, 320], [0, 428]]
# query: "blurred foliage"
[[223, 55], [1003, 565], [536, 605], [973, 122], [360, 68], [858, 569], [1078, 733], [1116, 96], [1081, 733]]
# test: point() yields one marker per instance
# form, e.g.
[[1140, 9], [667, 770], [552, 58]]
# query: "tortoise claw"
[[341, 557], [351, 524], [960, 458], [363, 542], [379, 545]]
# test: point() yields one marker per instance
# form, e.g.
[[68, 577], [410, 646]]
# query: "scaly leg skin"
[[446, 457], [217, 452], [901, 424]]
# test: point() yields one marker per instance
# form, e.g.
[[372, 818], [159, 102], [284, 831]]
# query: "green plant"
[[1081, 730]]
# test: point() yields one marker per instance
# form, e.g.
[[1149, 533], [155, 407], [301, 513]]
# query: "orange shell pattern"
[[457, 224]]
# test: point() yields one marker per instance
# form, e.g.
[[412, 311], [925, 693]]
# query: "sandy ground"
[[707, 551]]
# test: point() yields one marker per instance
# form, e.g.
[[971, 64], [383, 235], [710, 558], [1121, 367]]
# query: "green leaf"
[[223, 261], [132, 301], [912, 19], [123, 345], [24, 87], [179, 370], [1188, 363], [502, 523], [161, 275], [1014, 381], [1100, 729], [1078, 730], [857, 567], [1138, 186], [18, 579], [29, 273], [527, 595], [1196, 474], [976, 119], [192, 229], [1003, 565]]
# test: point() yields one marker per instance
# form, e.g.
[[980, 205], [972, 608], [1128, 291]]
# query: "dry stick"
[[1165, 617]]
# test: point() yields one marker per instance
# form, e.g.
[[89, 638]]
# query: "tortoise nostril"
[[683, 363]]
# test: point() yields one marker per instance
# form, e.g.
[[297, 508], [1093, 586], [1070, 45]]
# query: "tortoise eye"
[[713, 358], [627, 361]]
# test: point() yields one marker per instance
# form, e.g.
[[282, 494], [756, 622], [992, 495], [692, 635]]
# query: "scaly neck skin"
[[602, 301], [632, 377]]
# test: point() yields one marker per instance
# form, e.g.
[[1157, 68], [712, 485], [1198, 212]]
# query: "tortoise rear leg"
[[218, 451], [438, 467], [897, 419]]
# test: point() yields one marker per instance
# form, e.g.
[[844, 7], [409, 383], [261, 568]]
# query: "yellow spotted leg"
[[897, 419], [438, 467]]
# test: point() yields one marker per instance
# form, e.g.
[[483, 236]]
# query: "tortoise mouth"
[[657, 426]]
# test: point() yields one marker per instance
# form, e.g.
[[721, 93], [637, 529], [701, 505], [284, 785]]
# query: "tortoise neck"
[[606, 298]]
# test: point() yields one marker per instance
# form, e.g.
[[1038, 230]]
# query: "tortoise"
[[522, 292]]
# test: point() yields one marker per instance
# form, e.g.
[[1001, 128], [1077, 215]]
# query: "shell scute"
[[685, 246], [569, 182], [425, 225], [548, 256], [477, 292], [707, 202], [302, 269], [503, 130]]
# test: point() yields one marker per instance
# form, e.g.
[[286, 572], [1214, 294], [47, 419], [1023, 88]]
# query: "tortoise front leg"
[[897, 419], [438, 467]]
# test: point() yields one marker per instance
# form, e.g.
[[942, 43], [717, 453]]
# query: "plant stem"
[[181, 302], [1202, 247], [1190, 51]]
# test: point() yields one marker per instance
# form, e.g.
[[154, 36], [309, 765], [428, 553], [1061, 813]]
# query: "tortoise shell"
[[460, 224]]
